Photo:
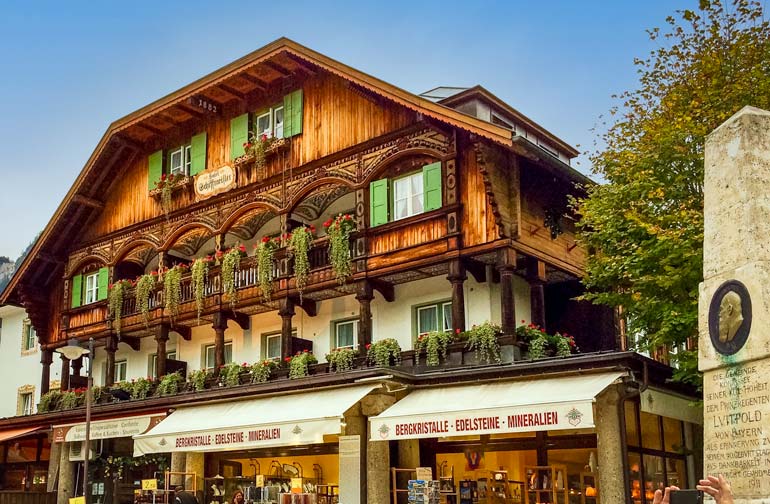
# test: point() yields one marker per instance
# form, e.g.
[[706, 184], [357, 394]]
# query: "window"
[[273, 346], [264, 124], [434, 317], [28, 337], [154, 361], [408, 196], [27, 402], [92, 288], [120, 371], [180, 160], [278, 122], [345, 334], [208, 352]]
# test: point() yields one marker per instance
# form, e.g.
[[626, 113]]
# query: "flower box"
[[248, 159], [177, 185]]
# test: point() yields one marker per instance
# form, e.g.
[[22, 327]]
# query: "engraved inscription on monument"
[[737, 426], [730, 317]]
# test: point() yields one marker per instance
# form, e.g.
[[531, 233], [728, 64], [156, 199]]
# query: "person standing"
[[183, 497], [237, 497]]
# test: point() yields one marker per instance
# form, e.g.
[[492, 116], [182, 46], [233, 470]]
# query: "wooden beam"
[[477, 269], [131, 341], [308, 305], [384, 288], [240, 318], [259, 83], [89, 202], [183, 331], [278, 68], [306, 65], [189, 109], [151, 129], [232, 91]]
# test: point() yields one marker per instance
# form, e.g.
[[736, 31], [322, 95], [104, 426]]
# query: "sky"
[[69, 69]]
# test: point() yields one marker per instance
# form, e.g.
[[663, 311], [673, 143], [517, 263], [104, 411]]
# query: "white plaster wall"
[[17, 369], [389, 320]]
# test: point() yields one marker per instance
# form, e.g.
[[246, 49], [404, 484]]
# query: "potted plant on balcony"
[[198, 379], [258, 147], [434, 344], [299, 364], [199, 272], [265, 265], [384, 353], [141, 387], [165, 186], [50, 401], [483, 341], [261, 371], [231, 264], [300, 240], [172, 290], [169, 384], [230, 374], [338, 229], [117, 292], [341, 359], [145, 285]]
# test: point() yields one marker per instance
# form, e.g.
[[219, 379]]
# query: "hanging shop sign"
[[212, 182], [106, 429]]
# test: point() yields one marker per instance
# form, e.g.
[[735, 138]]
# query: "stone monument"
[[734, 305]]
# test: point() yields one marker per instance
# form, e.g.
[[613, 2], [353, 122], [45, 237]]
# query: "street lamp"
[[73, 351]]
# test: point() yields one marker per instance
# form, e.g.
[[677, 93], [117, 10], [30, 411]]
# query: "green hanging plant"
[[538, 347], [299, 364], [266, 265], [50, 401], [341, 359], [198, 379], [231, 264], [169, 384], [230, 374], [199, 272], [434, 344], [300, 241], [384, 353], [338, 229], [145, 286], [166, 186], [482, 339], [117, 292], [172, 290], [69, 399], [140, 388], [261, 371]]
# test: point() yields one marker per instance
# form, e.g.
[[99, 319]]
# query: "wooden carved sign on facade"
[[213, 182]]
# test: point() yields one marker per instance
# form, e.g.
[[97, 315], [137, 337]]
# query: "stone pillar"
[[161, 337], [286, 311], [377, 452], [194, 463], [610, 480], [65, 373], [733, 318], [66, 486], [220, 325], [409, 453], [46, 359], [506, 266], [53, 466], [457, 277], [355, 424], [536, 278], [111, 346], [364, 295], [178, 464]]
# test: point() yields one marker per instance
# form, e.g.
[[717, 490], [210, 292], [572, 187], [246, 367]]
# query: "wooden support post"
[[506, 265], [536, 277], [46, 359], [161, 337], [286, 311], [65, 373], [77, 365], [364, 295], [457, 277], [111, 347], [220, 324]]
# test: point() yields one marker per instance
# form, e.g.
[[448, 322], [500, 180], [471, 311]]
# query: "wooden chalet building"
[[459, 216]]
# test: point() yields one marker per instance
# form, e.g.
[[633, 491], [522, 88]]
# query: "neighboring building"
[[459, 208]]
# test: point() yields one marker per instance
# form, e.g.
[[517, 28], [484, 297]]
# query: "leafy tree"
[[644, 227]]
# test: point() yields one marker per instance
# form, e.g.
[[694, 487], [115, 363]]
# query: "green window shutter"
[[104, 282], [198, 153], [431, 182], [156, 169], [77, 291], [378, 202], [239, 135], [292, 114]]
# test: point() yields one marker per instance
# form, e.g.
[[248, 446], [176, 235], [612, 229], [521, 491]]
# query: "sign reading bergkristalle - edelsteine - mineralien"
[[734, 305]]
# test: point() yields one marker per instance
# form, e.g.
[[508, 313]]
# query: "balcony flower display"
[[338, 229], [261, 371], [265, 265], [482, 339], [199, 272], [434, 345], [258, 147], [117, 292], [169, 384], [145, 285], [341, 359], [300, 241], [166, 186], [231, 264], [541, 344], [230, 374], [299, 364], [384, 353], [172, 289]]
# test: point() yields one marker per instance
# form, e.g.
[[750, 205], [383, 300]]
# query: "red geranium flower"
[[328, 223], [263, 137], [368, 346], [242, 248], [265, 239], [288, 359], [154, 273], [163, 178], [457, 331]]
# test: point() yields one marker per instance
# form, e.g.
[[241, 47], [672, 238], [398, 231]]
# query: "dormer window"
[[282, 120], [180, 160]]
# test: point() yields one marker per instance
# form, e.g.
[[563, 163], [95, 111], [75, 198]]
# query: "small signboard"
[[78, 500], [296, 484], [424, 473], [212, 182], [149, 484]]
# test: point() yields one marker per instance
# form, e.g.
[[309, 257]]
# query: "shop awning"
[[9, 434], [125, 426], [293, 419], [494, 408]]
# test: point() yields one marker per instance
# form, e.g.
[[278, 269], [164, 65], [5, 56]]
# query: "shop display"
[[546, 484], [423, 492], [588, 491]]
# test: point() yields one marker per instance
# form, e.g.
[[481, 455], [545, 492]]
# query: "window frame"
[[28, 336], [27, 400], [269, 130], [94, 289], [265, 339], [393, 201], [117, 366], [185, 157], [442, 307], [153, 364], [335, 334], [213, 346], [274, 125]]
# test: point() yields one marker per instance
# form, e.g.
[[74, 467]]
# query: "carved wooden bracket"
[[131, 341], [386, 289]]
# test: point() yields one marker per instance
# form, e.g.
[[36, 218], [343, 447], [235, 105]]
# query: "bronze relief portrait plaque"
[[730, 317]]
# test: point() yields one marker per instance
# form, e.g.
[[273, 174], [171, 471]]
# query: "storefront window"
[[651, 437], [654, 475], [635, 477], [632, 429], [672, 434]]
